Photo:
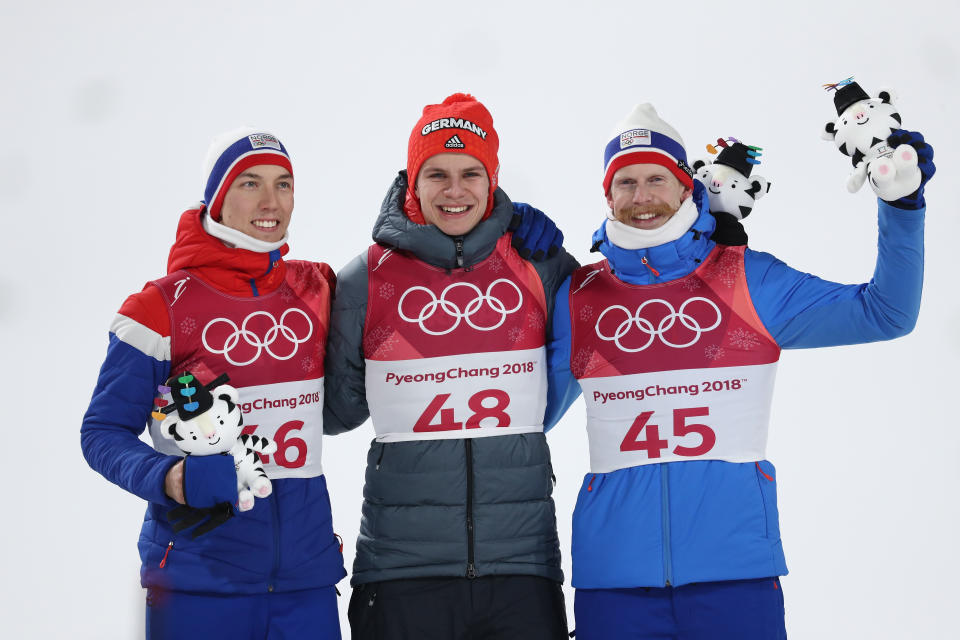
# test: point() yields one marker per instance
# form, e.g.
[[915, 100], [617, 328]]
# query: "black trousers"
[[493, 607]]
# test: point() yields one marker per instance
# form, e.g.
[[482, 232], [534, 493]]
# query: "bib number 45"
[[448, 422], [654, 445]]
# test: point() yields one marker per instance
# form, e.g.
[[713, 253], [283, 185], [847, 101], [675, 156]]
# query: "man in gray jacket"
[[438, 333]]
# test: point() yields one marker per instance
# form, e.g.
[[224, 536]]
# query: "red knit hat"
[[459, 124]]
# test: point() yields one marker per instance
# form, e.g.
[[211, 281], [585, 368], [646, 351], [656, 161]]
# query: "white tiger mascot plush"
[[861, 130], [730, 187], [204, 423]]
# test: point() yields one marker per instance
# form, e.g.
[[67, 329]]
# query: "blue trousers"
[[311, 613], [734, 609]]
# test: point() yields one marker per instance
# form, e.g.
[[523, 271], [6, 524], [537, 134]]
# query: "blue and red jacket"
[[286, 542], [680, 522]]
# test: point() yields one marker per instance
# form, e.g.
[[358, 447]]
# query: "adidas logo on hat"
[[454, 143]]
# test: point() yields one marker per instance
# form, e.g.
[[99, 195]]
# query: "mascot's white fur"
[[218, 430], [730, 186], [861, 130]]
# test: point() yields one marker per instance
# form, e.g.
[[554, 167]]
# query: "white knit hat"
[[643, 138]]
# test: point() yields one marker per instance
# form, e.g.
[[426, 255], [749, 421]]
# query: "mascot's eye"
[[194, 437], [871, 106], [733, 185], [221, 422]]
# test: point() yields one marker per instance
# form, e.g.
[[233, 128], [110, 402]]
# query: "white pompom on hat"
[[233, 152], [643, 138]]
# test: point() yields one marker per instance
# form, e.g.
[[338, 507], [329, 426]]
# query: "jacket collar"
[[395, 230], [239, 272], [667, 261]]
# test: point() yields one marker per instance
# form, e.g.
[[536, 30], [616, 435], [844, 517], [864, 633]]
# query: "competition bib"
[[682, 370], [465, 396], [454, 354], [709, 414], [290, 414], [272, 347]]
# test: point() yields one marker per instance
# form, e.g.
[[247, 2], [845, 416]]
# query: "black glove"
[[183, 517]]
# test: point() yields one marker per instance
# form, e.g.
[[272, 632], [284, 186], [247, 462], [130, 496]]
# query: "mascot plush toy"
[[205, 420], [862, 131], [731, 189]]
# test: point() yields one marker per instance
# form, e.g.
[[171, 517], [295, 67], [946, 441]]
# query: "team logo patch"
[[685, 168], [454, 143], [634, 137], [264, 140]]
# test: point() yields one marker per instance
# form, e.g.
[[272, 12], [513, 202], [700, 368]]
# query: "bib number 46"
[[448, 422], [291, 451], [654, 445]]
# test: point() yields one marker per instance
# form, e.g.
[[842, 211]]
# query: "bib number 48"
[[448, 422], [654, 445]]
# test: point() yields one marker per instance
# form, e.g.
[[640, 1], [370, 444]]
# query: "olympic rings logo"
[[662, 327], [252, 339], [453, 311]]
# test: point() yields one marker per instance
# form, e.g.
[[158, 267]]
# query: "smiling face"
[[453, 189], [259, 203], [645, 196]]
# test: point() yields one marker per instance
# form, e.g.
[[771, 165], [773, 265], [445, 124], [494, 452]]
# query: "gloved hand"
[[209, 480], [924, 163], [534, 234], [183, 517]]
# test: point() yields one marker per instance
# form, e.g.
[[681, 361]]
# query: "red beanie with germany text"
[[459, 124]]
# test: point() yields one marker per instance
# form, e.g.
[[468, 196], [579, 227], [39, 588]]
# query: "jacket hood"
[[238, 272], [670, 260], [395, 230]]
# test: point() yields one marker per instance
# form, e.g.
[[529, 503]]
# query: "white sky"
[[108, 107]]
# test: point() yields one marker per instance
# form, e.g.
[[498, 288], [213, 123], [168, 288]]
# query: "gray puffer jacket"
[[464, 507]]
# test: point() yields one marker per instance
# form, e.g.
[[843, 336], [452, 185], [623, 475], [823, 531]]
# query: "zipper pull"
[[649, 266], [373, 596], [590, 486], [166, 553], [471, 571], [459, 244]]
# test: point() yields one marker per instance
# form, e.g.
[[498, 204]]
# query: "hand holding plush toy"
[[863, 131], [202, 424]]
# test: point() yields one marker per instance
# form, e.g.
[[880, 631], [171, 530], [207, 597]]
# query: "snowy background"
[[108, 107]]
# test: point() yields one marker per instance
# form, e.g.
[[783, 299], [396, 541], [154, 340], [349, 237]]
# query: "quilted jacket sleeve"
[[137, 361], [345, 392], [803, 311]]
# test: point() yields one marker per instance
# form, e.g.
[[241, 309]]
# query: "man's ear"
[[687, 191]]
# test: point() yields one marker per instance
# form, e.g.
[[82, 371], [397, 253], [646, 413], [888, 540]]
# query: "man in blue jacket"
[[230, 303], [674, 340]]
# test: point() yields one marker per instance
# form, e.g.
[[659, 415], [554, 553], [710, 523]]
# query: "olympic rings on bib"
[[252, 339], [646, 326], [453, 311]]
